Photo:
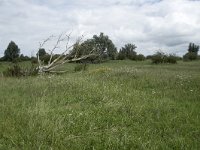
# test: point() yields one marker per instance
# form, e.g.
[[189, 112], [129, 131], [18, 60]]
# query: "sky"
[[152, 25]]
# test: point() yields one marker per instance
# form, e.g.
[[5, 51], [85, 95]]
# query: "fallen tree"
[[65, 57]]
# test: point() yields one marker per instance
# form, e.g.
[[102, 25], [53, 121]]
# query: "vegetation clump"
[[128, 52], [192, 53], [17, 71], [97, 49], [160, 57]]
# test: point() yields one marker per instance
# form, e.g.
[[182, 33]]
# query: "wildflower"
[[153, 92]]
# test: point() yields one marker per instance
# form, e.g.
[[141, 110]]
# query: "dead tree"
[[65, 57]]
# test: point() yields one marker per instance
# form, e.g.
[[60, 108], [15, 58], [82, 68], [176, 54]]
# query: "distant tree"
[[105, 46], [12, 52], [190, 56], [171, 58], [149, 56], [43, 55], [192, 53], [121, 55], [41, 52], [100, 44], [24, 58], [128, 52], [193, 48], [84, 49], [160, 57], [34, 60], [140, 57]]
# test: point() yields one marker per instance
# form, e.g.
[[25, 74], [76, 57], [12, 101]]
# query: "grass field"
[[114, 105]]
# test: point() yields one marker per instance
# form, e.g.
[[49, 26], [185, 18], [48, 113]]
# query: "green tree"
[[192, 53], [12, 52], [160, 57], [101, 44], [41, 52], [105, 46], [121, 55], [24, 58], [128, 52], [193, 48], [140, 57]]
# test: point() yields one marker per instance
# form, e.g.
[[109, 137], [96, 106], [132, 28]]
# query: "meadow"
[[117, 105]]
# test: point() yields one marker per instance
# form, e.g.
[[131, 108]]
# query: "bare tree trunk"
[[63, 57]]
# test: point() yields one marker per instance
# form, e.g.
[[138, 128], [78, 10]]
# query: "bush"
[[149, 56], [34, 60], [81, 67], [45, 58], [14, 71], [161, 57], [190, 56], [158, 58], [24, 58], [140, 57], [171, 59], [121, 56], [133, 57], [17, 71], [16, 60]]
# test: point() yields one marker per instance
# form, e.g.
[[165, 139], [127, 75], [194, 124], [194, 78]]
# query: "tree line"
[[106, 50]]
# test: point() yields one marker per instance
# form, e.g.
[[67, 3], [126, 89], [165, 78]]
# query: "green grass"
[[114, 105]]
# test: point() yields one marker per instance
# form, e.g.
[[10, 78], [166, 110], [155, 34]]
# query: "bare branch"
[[59, 40], [63, 57], [41, 45]]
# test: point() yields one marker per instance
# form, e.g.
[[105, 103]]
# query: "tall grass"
[[114, 105]]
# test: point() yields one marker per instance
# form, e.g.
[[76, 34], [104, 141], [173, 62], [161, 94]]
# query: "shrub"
[[16, 60], [14, 71], [192, 53], [190, 56], [17, 71], [158, 58], [133, 57], [149, 56], [171, 59], [24, 58], [161, 57], [34, 60], [45, 58], [121, 56], [140, 57]]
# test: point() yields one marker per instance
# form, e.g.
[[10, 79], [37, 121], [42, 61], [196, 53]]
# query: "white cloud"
[[150, 24]]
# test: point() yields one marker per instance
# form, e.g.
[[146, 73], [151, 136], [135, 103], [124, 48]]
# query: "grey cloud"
[[150, 24]]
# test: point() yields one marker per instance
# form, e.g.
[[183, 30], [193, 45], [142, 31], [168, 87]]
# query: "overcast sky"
[[150, 24]]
